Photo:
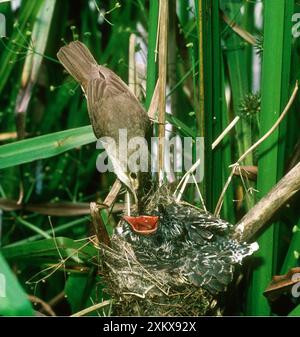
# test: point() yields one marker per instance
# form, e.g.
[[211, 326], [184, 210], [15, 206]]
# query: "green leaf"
[[295, 312], [16, 45], [182, 127], [79, 288], [52, 251], [39, 38], [13, 300], [275, 82], [291, 259], [46, 146], [151, 62]]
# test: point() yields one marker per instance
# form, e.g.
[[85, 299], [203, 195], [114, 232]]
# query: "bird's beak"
[[143, 224], [130, 179]]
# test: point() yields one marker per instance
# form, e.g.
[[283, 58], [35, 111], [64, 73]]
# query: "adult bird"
[[112, 107]]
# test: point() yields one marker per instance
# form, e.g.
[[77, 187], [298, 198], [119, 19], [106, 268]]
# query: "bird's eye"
[[133, 175]]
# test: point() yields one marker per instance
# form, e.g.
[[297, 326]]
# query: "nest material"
[[137, 291], [140, 292]]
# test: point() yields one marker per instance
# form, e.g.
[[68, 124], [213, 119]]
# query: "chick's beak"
[[143, 224]]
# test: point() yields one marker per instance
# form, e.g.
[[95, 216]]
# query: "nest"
[[139, 292]]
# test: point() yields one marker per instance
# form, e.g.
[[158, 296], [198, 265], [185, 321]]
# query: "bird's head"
[[129, 178], [137, 182]]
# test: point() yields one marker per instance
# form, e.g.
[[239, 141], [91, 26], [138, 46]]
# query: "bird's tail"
[[78, 61]]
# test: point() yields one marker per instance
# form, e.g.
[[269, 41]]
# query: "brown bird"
[[111, 106]]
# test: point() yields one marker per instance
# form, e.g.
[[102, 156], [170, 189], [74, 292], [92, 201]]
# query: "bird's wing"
[[212, 266], [110, 84], [103, 112], [201, 226], [209, 267], [112, 106]]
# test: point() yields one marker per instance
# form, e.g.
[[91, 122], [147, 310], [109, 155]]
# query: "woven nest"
[[139, 292]]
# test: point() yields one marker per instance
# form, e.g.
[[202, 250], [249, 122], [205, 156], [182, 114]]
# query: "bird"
[[112, 107], [187, 242], [168, 235]]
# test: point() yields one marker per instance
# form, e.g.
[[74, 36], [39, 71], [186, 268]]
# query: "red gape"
[[143, 224]]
